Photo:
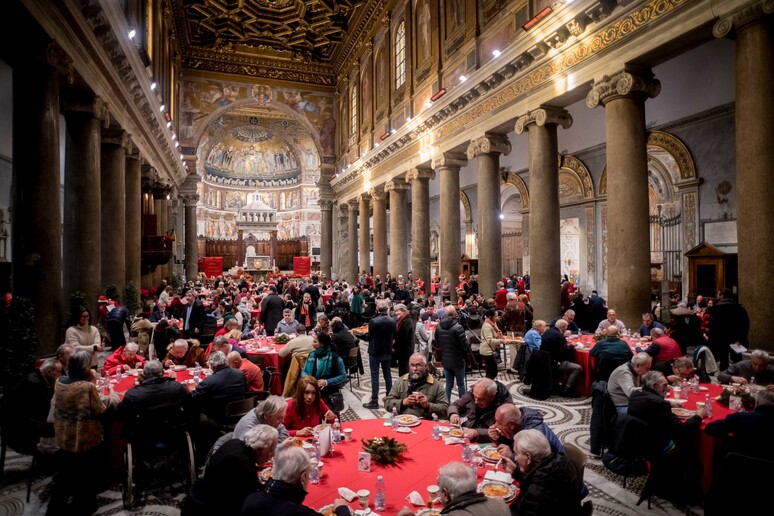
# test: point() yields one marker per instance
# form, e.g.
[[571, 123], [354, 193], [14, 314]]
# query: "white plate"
[[512, 490], [324, 508], [490, 450], [408, 420], [429, 512], [702, 388], [676, 401], [180, 368]]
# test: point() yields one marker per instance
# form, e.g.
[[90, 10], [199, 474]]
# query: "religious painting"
[[455, 16], [261, 94], [381, 76], [424, 30], [234, 200], [365, 94], [328, 136]]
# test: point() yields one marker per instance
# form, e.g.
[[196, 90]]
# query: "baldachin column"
[[545, 295], [487, 150], [628, 253], [419, 178], [379, 203], [448, 167], [398, 238]]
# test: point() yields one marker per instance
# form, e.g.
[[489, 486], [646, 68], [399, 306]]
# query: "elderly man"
[[272, 311], [674, 465], [28, 405], [193, 316], [757, 367], [287, 325], [303, 344], [510, 419], [221, 387], [555, 343], [381, 330], [479, 406], [287, 488], [663, 348], [231, 474], [271, 411], [185, 352], [459, 495], [123, 359], [572, 327], [648, 324], [226, 346], [626, 378], [252, 372], [749, 433], [612, 347], [611, 320], [417, 392], [63, 353], [160, 312]]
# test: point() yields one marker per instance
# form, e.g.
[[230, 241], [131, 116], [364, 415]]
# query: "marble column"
[[419, 178], [487, 150], [628, 253], [159, 199], [341, 241], [113, 188], [351, 271], [133, 219], [753, 30], [82, 226], [365, 233], [448, 166], [191, 244], [379, 203], [166, 269], [326, 239], [545, 294], [398, 236], [37, 237]]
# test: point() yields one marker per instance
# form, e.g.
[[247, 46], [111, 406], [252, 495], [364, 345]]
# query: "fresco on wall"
[[424, 30]]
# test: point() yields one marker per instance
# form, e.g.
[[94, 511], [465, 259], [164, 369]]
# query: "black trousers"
[[491, 366], [77, 476]]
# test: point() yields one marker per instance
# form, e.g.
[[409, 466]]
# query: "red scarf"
[[305, 313], [400, 319]]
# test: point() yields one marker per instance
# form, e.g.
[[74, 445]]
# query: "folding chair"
[[353, 366]]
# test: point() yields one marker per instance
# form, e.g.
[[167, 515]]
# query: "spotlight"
[[376, 144], [429, 104], [463, 78], [174, 136], [393, 131], [169, 124], [502, 217], [153, 86], [132, 33], [162, 108], [408, 119], [496, 53]]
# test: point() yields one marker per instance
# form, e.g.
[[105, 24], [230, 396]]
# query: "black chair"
[[159, 449], [235, 410], [257, 360], [605, 367], [738, 474], [540, 375], [353, 366], [269, 372], [629, 442]]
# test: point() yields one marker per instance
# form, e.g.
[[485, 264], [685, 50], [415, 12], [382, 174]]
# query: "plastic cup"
[[348, 434], [362, 497], [432, 492]]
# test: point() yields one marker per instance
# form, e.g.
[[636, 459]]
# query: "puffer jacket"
[[551, 488], [451, 338], [476, 504]]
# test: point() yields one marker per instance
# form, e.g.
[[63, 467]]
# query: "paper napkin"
[[499, 476], [348, 494], [415, 499]]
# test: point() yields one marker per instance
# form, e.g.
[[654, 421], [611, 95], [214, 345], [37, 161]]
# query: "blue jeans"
[[450, 375], [374, 363], [622, 410]]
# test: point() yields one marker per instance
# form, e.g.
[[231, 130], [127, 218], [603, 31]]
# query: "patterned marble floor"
[[569, 418]]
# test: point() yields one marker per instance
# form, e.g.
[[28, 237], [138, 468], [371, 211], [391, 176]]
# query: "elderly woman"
[[270, 411], [490, 341], [325, 364], [231, 474], [307, 408], [123, 359], [79, 435], [549, 481]]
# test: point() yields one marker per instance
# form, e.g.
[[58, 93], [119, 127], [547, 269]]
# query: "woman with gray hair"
[[270, 411], [549, 482], [285, 491], [459, 497], [231, 474]]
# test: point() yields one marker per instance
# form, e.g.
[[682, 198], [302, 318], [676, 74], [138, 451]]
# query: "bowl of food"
[[492, 489], [490, 454], [456, 432]]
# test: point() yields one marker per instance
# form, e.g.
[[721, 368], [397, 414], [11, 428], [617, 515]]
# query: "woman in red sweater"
[[307, 409]]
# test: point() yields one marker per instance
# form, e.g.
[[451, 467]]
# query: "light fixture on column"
[[440, 93], [496, 53], [463, 78], [502, 217], [169, 124], [162, 108], [153, 86]]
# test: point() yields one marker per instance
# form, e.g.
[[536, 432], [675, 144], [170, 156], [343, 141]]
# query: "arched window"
[[353, 112], [400, 55]]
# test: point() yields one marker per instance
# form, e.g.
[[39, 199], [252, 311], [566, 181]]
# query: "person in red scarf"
[[464, 286], [403, 341], [306, 312]]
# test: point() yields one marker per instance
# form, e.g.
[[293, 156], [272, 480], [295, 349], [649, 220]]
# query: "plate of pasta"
[[408, 420], [490, 454], [505, 492]]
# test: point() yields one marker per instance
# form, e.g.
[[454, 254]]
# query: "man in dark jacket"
[[284, 493], [450, 337], [116, 319], [221, 387], [729, 323], [403, 341], [748, 433], [193, 316], [381, 331], [555, 343], [479, 405], [272, 307], [28, 405], [510, 420]]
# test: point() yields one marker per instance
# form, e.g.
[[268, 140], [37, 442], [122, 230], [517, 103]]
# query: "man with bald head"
[[417, 392], [253, 373], [479, 405], [510, 419]]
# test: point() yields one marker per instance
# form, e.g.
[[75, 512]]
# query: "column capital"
[[544, 115], [119, 138], [353, 204], [364, 197], [626, 83], [61, 61], [190, 199], [325, 204], [378, 193], [397, 184], [490, 143], [343, 211], [450, 160], [420, 174], [741, 17]]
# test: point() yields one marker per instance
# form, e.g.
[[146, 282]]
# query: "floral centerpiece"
[[599, 336], [281, 338], [748, 401], [384, 450]]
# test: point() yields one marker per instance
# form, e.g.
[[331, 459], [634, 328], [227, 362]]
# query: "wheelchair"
[[159, 451]]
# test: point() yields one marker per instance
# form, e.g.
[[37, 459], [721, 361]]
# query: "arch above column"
[[510, 178]]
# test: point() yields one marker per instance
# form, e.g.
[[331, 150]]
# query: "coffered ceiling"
[[297, 40]]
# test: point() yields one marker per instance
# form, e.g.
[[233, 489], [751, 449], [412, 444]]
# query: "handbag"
[[335, 402]]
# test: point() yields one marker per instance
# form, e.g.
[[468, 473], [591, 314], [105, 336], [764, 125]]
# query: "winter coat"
[[549, 489], [451, 338], [478, 418]]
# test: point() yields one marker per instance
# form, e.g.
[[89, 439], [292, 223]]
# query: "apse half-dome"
[[251, 157]]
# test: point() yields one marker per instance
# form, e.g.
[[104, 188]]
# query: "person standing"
[[83, 336], [381, 331], [193, 316], [454, 345], [403, 342], [729, 324], [272, 307], [490, 341]]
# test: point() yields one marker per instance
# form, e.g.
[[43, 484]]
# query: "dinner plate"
[[265, 474], [180, 368], [319, 428], [683, 413], [490, 454], [702, 388], [677, 401], [456, 432], [505, 492], [408, 420], [326, 510], [429, 512]]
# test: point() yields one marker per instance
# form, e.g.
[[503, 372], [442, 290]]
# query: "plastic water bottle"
[[684, 389], [394, 418], [695, 382], [436, 429], [751, 386], [316, 453], [708, 405], [466, 455], [314, 473], [336, 431], [379, 496]]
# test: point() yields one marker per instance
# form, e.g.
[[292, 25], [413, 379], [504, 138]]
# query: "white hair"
[[533, 442], [153, 369], [217, 360], [181, 343], [270, 406], [457, 479], [131, 346], [290, 463]]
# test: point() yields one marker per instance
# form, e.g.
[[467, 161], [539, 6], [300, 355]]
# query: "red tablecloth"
[[270, 358], [127, 382], [417, 469], [583, 358], [325, 298]]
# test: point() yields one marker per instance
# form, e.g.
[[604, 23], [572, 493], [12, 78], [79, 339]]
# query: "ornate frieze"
[[544, 115]]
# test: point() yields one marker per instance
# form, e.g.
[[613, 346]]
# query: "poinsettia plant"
[[384, 450]]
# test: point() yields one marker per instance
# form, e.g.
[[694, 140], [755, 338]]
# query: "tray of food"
[[456, 432], [505, 492]]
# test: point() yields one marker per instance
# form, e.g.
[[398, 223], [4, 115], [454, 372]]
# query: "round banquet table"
[[583, 358], [257, 347], [417, 469]]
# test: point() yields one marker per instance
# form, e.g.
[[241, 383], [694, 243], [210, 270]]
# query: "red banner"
[[302, 266], [212, 266]]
